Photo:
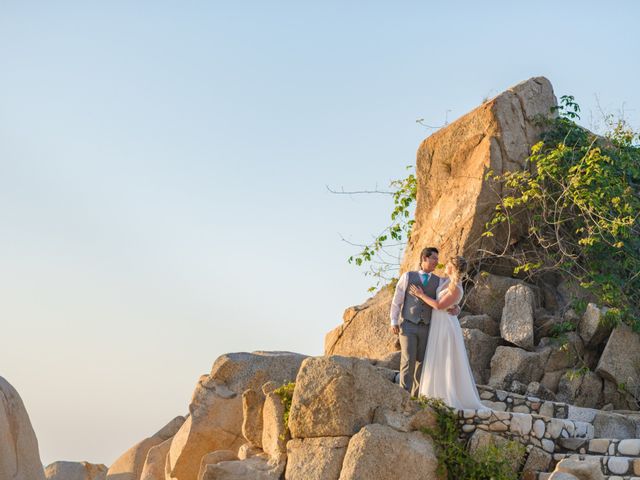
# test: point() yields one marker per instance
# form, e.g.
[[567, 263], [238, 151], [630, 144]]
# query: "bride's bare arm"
[[448, 300]]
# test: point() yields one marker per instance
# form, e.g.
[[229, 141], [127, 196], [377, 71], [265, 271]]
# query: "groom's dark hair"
[[426, 252]]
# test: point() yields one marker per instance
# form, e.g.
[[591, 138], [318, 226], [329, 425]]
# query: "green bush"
[[455, 461], [578, 203], [285, 392]]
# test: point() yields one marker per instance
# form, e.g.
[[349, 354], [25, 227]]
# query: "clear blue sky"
[[163, 169]]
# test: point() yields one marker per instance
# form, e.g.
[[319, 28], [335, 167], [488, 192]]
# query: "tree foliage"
[[579, 204], [384, 263]]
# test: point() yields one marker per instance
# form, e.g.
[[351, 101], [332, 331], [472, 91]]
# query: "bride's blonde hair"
[[459, 265]]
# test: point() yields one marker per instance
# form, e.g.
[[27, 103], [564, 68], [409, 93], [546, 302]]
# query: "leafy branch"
[[578, 204]]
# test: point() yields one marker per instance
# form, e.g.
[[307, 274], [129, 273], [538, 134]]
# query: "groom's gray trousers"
[[413, 345]]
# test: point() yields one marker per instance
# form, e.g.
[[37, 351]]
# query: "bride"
[[446, 373]]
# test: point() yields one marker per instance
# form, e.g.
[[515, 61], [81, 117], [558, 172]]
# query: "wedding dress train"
[[446, 372]]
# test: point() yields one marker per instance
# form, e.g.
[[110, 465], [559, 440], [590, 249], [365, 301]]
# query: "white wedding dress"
[[446, 373]]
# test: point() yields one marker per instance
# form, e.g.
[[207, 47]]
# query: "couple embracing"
[[424, 311]]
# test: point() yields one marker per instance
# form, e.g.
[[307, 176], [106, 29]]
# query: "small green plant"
[[576, 373], [579, 306], [563, 327], [285, 392], [454, 460]]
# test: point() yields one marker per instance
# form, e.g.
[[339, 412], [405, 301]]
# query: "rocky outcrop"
[[154, 464], [454, 200], [317, 458], [337, 396], [480, 348], [483, 322], [487, 296], [411, 456], [365, 330], [216, 409], [19, 454], [578, 469], [592, 327], [75, 471], [620, 360], [510, 363], [130, 464], [516, 325]]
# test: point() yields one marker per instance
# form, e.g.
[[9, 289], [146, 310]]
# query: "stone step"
[[526, 428], [547, 476], [502, 400], [606, 424], [609, 465], [600, 446]]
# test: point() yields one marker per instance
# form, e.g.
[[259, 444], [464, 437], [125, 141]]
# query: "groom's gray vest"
[[414, 309]]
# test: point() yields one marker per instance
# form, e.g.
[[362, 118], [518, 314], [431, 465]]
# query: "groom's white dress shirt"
[[401, 290]]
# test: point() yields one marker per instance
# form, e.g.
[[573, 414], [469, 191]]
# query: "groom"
[[416, 318]]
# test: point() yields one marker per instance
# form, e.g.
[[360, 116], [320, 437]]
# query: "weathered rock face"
[[252, 403], [216, 409], [274, 432], [315, 458], [484, 323], [488, 294], [254, 468], [19, 454], [480, 348], [510, 363], [75, 471], [581, 390], [130, 464], [365, 330], [580, 469], [369, 455], [337, 396], [454, 201], [620, 360], [516, 325], [154, 464], [592, 328]]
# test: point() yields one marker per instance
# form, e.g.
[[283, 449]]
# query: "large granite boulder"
[[274, 431], [565, 352], [19, 454], [454, 199], [592, 327], [480, 349], [254, 468], [75, 471], [580, 389], [516, 325], [216, 409], [317, 458], [365, 330], [130, 464], [511, 364], [620, 360], [488, 294], [252, 423], [337, 396], [154, 464], [580, 469], [482, 322], [380, 452]]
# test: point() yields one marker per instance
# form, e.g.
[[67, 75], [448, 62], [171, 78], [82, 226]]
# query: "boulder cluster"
[[554, 373]]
